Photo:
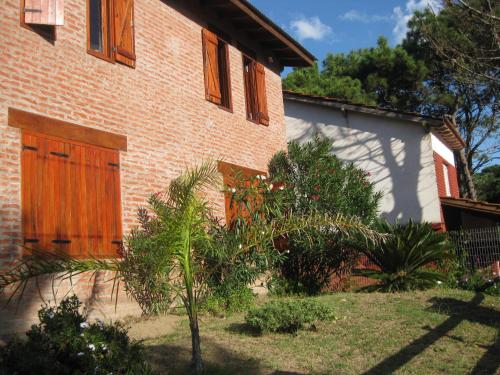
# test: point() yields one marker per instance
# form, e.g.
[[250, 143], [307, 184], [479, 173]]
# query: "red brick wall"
[[160, 105]]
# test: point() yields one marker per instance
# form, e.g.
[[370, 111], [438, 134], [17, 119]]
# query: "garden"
[[301, 232]]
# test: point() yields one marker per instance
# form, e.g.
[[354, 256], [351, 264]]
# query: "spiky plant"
[[180, 239], [404, 258]]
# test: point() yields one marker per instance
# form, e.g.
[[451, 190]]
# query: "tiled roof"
[[469, 204]]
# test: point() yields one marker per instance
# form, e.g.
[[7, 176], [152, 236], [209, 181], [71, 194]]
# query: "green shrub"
[[226, 300], [312, 179], [406, 256], [287, 316], [64, 343]]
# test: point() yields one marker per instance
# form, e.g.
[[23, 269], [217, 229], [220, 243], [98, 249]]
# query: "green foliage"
[[382, 75], [65, 343], [228, 300], [402, 258], [311, 179], [287, 315], [488, 184]]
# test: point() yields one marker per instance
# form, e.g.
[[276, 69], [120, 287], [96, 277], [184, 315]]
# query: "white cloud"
[[310, 28], [403, 16], [355, 16]]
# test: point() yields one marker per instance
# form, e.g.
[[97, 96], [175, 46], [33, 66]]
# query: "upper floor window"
[[255, 91], [446, 175], [110, 30], [216, 70]]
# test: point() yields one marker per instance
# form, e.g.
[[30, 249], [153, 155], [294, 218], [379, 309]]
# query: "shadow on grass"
[[243, 329], [458, 312], [175, 359]]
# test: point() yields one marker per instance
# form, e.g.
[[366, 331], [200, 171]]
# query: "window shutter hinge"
[[114, 165], [30, 10], [29, 148], [60, 154], [31, 240], [61, 241]]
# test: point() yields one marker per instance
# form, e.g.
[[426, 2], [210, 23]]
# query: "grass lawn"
[[434, 332]]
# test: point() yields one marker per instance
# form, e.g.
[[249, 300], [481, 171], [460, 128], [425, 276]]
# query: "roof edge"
[[443, 127], [277, 31]]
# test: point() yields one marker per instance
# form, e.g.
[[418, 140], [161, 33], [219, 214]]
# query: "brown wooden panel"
[[44, 12], [66, 130], [260, 82], [124, 32], [70, 196], [211, 66]]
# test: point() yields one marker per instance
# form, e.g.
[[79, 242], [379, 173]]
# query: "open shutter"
[[260, 80], [124, 32], [44, 12], [211, 66]]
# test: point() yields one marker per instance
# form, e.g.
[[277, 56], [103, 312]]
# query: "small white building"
[[409, 157]]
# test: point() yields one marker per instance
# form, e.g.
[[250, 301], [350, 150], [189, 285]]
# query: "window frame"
[[107, 32], [446, 180], [248, 97], [227, 72]]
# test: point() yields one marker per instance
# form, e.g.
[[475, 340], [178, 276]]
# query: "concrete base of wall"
[[93, 290]]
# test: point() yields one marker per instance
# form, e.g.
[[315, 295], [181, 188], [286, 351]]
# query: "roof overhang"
[[246, 18], [443, 127], [468, 204]]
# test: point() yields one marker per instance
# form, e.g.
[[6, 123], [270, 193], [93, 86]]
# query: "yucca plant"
[[174, 244], [404, 259]]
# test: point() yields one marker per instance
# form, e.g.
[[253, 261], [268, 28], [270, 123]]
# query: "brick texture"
[[160, 106]]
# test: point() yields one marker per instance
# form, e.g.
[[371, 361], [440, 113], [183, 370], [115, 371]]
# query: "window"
[[70, 196], [111, 38], [234, 176], [255, 91], [446, 176], [216, 70]]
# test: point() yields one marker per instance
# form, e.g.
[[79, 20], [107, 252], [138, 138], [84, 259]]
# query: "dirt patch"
[[148, 328]]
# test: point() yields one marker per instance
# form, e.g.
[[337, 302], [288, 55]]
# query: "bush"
[[64, 343], [312, 179], [226, 300], [287, 316], [402, 258]]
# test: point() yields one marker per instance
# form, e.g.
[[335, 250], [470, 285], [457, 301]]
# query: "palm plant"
[[178, 248], [402, 258]]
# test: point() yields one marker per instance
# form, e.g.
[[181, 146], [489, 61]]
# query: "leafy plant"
[[179, 235], [405, 258], [228, 300], [312, 179], [287, 315], [65, 343]]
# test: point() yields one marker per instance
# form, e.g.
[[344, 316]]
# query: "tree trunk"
[[465, 176], [196, 361]]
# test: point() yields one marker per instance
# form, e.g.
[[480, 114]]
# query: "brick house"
[[103, 102], [409, 157]]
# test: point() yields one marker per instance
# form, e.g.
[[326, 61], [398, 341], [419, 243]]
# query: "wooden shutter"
[[211, 67], [44, 12], [249, 67], [70, 197], [260, 82], [124, 31]]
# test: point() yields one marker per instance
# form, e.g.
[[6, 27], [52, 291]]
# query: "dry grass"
[[435, 332]]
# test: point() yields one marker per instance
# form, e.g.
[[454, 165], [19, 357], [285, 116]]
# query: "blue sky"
[[342, 25]]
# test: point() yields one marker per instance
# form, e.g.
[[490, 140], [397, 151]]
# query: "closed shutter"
[[44, 12], [124, 31], [260, 79], [71, 197], [211, 67]]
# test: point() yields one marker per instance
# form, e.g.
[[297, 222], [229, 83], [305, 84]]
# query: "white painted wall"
[[397, 154], [444, 151]]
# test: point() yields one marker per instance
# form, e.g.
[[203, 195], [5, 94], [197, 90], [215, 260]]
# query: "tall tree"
[[382, 75], [455, 85]]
